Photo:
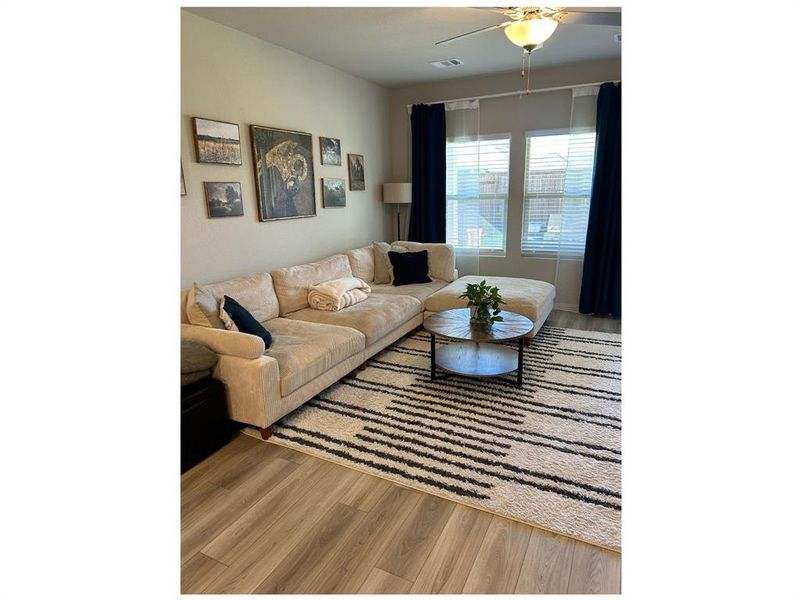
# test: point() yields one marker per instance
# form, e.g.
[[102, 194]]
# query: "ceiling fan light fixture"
[[530, 33]]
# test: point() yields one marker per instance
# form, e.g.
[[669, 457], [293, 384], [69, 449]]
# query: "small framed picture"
[[217, 142], [355, 167], [183, 182], [224, 199], [333, 193], [330, 150]]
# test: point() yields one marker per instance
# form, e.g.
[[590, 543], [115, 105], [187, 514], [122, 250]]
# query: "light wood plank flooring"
[[259, 518]]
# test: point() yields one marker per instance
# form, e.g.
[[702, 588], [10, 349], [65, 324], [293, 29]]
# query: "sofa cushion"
[[420, 291], [306, 350], [523, 296], [292, 283], [374, 317], [362, 263], [409, 267], [237, 318], [441, 258], [381, 261], [202, 307], [253, 291]]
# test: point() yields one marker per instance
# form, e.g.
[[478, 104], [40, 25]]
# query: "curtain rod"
[[520, 92]]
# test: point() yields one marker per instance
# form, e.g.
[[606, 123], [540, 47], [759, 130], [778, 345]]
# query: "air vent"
[[446, 64], [618, 38]]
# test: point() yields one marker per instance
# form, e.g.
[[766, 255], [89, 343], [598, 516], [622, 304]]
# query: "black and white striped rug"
[[547, 454]]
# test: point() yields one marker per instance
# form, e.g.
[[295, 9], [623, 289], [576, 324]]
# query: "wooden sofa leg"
[[362, 366], [352, 374], [526, 341], [266, 432]]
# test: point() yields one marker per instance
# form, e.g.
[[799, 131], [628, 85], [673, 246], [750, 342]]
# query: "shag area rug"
[[547, 454]]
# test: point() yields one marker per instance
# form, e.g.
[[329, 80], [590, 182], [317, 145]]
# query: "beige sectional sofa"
[[312, 349]]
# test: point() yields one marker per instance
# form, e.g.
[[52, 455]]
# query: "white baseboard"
[[566, 307]]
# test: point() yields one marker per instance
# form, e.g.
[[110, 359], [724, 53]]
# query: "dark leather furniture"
[[205, 427]]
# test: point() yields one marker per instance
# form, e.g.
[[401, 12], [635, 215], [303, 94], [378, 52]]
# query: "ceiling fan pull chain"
[[529, 72]]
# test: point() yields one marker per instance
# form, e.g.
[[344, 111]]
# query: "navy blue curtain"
[[601, 288], [428, 172]]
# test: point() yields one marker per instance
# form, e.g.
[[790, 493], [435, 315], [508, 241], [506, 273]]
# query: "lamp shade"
[[397, 193], [531, 32]]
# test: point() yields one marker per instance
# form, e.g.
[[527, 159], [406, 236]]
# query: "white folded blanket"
[[338, 294]]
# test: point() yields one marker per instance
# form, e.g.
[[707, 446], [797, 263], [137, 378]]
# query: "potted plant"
[[484, 303]]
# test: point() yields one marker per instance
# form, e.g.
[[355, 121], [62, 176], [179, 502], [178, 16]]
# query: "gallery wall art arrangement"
[[283, 162]]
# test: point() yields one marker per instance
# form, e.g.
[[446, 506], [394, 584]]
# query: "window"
[[555, 212], [477, 193]]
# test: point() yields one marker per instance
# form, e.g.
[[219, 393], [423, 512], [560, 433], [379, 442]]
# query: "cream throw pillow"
[[362, 263], [201, 308], [382, 265]]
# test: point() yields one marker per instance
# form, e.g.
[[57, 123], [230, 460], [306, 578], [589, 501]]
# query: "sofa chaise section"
[[529, 297]]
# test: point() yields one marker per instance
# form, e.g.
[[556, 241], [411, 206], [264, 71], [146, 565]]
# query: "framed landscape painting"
[[355, 166], [333, 193], [284, 170], [217, 142], [224, 199], [330, 150]]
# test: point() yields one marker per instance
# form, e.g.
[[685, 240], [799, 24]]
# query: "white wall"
[[514, 115], [231, 76]]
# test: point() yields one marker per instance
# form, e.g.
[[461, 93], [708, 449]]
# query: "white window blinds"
[[558, 188], [477, 192]]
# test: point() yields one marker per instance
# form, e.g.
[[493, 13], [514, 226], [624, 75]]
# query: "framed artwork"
[[355, 167], [333, 193], [183, 182], [330, 149], [224, 199], [284, 170], [217, 142]]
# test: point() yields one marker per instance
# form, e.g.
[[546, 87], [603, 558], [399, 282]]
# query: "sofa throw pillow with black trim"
[[237, 318], [201, 308], [409, 267]]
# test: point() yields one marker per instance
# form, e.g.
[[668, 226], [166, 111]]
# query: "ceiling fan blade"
[[503, 10], [577, 16], [481, 30]]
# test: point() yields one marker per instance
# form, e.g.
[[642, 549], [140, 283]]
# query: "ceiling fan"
[[529, 27]]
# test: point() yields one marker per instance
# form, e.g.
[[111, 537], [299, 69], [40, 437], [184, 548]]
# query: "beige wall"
[[514, 115], [230, 76]]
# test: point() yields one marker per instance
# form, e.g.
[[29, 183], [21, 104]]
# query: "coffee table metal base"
[[476, 359]]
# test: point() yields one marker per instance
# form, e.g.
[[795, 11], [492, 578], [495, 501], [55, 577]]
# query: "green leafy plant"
[[484, 302]]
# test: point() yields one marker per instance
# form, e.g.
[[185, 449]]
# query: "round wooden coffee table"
[[474, 354]]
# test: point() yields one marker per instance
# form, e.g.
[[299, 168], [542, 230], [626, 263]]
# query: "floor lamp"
[[397, 193]]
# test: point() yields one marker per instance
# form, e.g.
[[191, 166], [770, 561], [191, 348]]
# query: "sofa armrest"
[[222, 341], [251, 385]]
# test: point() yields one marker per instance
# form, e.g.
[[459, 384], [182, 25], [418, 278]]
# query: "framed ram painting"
[[284, 170]]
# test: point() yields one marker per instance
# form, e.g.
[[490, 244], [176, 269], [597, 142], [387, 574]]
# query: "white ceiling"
[[393, 46]]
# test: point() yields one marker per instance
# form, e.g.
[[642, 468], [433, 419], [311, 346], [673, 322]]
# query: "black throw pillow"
[[245, 322], [409, 267]]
